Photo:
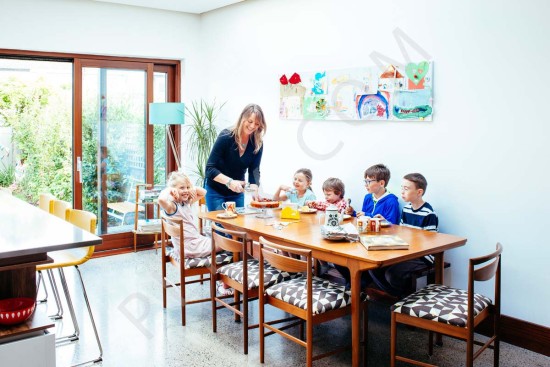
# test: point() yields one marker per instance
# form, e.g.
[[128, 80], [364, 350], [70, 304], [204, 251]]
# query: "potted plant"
[[202, 133]]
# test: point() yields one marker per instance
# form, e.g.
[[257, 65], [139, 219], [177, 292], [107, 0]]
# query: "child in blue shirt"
[[395, 279], [378, 201], [301, 191]]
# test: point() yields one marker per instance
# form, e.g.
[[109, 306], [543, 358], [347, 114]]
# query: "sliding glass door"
[[76, 126]]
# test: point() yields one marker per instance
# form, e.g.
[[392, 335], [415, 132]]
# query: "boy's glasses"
[[367, 181]]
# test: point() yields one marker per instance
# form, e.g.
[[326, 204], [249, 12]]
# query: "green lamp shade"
[[166, 113]]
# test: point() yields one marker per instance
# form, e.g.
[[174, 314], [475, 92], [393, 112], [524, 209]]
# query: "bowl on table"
[[16, 310]]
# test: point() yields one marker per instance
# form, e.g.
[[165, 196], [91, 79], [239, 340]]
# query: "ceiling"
[[185, 6]]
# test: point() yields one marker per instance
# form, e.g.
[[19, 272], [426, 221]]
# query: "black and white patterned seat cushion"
[[440, 303], [201, 262], [326, 294], [271, 274]]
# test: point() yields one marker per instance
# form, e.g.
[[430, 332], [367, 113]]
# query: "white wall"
[[485, 155], [91, 27]]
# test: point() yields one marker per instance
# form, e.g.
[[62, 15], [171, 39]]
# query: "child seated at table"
[[378, 200], [176, 200], [334, 190], [417, 213], [302, 189]]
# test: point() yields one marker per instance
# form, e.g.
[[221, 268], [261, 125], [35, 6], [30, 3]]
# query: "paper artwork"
[[393, 93]]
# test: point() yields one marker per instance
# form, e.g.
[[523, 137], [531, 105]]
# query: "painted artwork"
[[393, 93]]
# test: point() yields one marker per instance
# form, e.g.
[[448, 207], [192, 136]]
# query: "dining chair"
[[243, 275], [59, 208], [188, 268], [453, 312], [75, 257], [308, 297], [44, 201]]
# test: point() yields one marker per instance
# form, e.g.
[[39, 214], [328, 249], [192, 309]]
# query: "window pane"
[[113, 145], [36, 128]]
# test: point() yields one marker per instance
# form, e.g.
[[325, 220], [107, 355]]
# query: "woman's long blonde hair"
[[258, 134]]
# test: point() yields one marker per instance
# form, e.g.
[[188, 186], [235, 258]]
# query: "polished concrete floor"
[[125, 292]]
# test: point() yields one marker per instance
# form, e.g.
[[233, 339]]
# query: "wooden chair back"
[[170, 228], [59, 208], [235, 244], [270, 252]]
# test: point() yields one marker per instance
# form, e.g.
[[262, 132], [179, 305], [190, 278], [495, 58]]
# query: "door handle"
[[79, 168]]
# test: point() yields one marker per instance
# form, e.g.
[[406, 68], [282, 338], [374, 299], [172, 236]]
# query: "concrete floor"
[[125, 292]]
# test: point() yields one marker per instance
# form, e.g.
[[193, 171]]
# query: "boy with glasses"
[[378, 201]]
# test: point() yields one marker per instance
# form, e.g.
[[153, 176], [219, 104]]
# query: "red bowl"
[[16, 310]]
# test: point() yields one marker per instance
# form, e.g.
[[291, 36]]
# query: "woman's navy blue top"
[[224, 158]]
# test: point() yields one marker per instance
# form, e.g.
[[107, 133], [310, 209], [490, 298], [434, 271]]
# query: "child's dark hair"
[[419, 181], [336, 185], [306, 172], [379, 172]]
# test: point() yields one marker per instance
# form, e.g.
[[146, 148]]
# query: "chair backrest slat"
[[283, 262], [486, 272], [226, 243], [44, 201], [171, 226]]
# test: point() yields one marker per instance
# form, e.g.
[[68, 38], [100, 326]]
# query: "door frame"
[[170, 66]]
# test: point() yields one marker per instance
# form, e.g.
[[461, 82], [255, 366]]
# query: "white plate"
[[226, 216], [309, 211], [346, 216]]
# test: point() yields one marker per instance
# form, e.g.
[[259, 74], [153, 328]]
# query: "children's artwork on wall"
[[373, 106], [394, 93], [315, 108], [292, 97]]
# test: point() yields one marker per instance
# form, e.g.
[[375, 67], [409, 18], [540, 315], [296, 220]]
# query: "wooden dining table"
[[306, 233]]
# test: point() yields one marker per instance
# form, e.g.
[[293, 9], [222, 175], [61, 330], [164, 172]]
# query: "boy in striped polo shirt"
[[417, 213]]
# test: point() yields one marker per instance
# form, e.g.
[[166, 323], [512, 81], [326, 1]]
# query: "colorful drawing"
[[372, 107], [391, 79], [416, 73], [367, 93], [315, 108], [292, 97], [412, 104]]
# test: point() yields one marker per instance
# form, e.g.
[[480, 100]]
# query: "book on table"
[[383, 242]]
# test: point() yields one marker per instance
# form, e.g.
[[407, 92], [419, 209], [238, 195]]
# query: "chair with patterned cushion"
[[190, 267], [244, 267], [308, 297], [453, 312]]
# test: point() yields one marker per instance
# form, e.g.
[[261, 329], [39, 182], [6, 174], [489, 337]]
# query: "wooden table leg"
[[355, 275]]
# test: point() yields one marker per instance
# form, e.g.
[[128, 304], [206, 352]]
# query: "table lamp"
[[167, 114]]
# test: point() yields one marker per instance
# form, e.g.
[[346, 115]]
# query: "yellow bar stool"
[[75, 257]]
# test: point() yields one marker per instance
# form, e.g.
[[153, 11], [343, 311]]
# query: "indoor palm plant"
[[202, 134]]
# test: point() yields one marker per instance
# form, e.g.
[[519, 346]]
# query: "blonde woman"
[[236, 152]]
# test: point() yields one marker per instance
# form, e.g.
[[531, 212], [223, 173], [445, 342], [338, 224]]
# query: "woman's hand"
[[236, 186]]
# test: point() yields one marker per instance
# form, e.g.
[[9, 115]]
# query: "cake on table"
[[264, 203]]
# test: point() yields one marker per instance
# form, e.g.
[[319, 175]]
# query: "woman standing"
[[235, 152]]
